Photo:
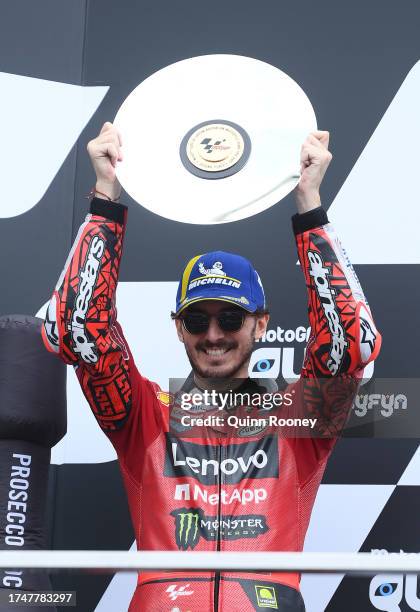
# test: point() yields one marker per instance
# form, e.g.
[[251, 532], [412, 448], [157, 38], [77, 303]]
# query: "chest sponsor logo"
[[210, 463], [191, 524], [186, 492]]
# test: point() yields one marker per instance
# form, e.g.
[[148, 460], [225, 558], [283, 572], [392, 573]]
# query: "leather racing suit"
[[233, 493]]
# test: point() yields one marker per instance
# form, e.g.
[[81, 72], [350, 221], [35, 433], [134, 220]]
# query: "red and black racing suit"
[[253, 493]]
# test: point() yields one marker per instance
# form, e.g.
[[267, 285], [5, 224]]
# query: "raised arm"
[[343, 338], [80, 324]]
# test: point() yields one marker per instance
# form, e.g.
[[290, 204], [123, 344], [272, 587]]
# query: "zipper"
[[219, 518]]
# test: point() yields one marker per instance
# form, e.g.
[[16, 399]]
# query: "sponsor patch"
[[251, 430], [205, 462], [266, 597], [187, 492], [165, 398], [227, 281], [191, 524]]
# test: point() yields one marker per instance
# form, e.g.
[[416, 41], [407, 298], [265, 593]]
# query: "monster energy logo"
[[186, 527], [192, 523]]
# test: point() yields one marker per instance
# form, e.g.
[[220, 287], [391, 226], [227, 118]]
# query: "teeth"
[[215, 352]]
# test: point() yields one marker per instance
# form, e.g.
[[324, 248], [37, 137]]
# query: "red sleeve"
[[81, 326], [343, 337]]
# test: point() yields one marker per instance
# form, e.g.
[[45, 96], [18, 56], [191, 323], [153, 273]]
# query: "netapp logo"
[[207, 463], [326, 296], [241, 496], [88, 277]]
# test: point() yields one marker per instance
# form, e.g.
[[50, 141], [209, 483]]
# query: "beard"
[[229, 370]]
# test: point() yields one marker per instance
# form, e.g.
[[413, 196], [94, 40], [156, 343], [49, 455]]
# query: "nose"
[[214, 333]]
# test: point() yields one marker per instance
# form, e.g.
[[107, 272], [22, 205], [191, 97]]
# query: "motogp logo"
[[210, 145], [386, 592], [174, 591]]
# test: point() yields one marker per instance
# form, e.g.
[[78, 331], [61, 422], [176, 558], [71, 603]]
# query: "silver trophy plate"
[[213, 139]]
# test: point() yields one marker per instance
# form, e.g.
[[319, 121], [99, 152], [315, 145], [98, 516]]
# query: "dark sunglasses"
[[198, 322]]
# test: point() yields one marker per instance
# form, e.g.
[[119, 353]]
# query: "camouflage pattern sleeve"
[[80, 324]]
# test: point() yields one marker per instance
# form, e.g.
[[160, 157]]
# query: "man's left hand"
[[314, 161]]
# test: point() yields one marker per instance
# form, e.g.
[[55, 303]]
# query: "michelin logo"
[[216, 270], [215, 275], [211, 280]]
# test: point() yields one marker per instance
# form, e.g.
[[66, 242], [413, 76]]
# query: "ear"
[[179, 330], [261, 326]]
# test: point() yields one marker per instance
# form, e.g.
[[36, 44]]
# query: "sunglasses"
[[199, 322]]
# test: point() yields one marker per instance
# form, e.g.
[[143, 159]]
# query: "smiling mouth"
[[219, 352]]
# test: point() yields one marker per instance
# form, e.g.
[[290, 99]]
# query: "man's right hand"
[[104, 152]]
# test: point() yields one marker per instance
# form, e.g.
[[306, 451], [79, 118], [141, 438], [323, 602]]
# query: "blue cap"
[[220, 276]]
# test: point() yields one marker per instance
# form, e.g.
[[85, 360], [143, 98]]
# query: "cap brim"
[[251, 307]]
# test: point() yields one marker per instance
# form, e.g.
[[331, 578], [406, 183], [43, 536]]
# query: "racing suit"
[[253, 492]]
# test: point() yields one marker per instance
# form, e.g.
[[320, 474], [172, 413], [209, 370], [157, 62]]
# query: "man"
[[214, 489]]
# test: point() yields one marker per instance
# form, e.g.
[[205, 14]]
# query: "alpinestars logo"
[[217, 145], [320, 274], [50, 324], [88, 277], [191, 524], [367, 333]]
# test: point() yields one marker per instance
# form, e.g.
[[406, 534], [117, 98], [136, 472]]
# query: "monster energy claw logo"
[[192, 523], [186, 527]]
